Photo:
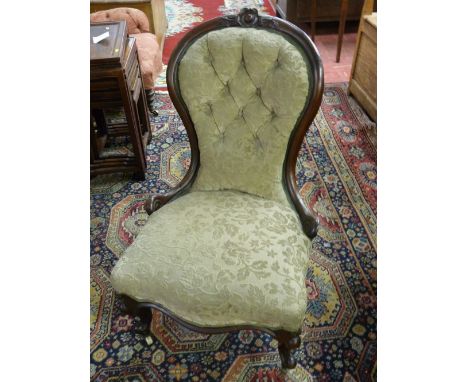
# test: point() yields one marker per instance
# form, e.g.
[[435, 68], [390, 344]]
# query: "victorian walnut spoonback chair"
[[228, 249]]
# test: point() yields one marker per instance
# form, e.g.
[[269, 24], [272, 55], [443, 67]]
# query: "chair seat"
[[220, 258]]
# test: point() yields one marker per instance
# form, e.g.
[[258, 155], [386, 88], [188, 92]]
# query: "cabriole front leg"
[[287, 342]]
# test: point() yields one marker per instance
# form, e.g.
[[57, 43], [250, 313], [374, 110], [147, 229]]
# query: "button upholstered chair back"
[[247, 87]]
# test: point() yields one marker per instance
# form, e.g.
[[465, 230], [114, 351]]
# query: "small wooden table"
[[116, 82]]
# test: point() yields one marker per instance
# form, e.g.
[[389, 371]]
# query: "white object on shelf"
[[100, 37]]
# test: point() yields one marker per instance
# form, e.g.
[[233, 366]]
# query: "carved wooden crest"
[[249, 17]]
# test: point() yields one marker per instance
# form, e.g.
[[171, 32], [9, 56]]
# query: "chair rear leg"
[[136, 309], [287, 342]]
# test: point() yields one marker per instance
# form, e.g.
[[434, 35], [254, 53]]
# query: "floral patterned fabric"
[[220, 258], [245, 89]]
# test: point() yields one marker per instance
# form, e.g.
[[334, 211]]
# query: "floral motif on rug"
[[337, 178], [181, 15]]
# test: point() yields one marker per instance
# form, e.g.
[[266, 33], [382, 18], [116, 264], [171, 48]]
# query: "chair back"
[[247, 87]]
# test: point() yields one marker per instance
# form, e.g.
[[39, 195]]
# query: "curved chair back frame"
[[249, 18]]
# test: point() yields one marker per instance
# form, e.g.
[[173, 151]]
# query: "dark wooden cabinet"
[[116, 83], [327, 10]]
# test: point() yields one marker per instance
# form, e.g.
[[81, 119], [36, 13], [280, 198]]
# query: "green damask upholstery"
[[232, 250], [245, 89], [218, 258]]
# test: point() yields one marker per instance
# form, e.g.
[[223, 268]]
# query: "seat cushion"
[[218, 258], [150, 58]]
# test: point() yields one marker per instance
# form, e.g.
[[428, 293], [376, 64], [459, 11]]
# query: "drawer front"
[[104, 84]]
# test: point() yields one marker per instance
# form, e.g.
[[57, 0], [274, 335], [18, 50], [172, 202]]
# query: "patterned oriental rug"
[[337, 177]]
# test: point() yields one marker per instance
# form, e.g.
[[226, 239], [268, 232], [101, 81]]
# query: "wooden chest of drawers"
[[363, 81]]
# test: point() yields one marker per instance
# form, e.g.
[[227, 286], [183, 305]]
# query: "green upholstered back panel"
[[245, 89]]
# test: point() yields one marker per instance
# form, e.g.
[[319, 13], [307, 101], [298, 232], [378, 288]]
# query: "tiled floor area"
[[336, 71], [326, 41]]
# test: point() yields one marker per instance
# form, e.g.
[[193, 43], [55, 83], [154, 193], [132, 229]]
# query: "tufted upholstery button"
[[258, 142]]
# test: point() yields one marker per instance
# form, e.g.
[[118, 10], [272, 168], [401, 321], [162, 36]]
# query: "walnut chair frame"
[[247, 18]]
